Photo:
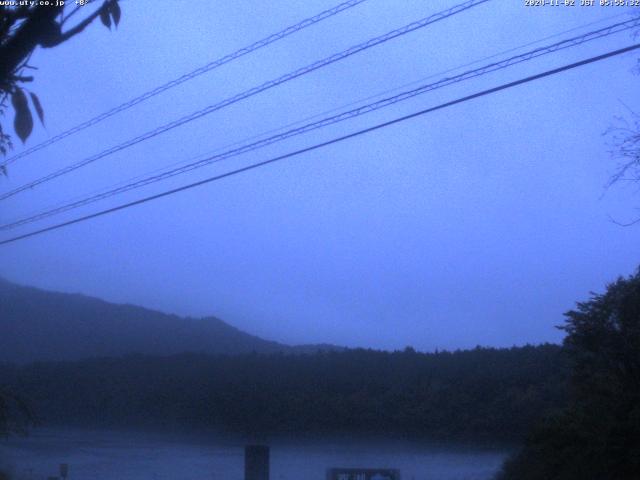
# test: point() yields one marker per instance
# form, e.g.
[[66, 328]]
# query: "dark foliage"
[[16, 416], [24, 27], [598, 435], [490, 394]]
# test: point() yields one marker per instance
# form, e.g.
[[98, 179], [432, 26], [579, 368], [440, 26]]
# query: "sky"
[[479, 224]]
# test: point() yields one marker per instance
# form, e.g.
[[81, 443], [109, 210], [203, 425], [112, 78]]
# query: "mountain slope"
[[38, 325]]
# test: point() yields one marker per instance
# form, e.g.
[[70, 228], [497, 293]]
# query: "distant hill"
[[39, 325]]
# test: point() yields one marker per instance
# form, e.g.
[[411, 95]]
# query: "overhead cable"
[[186, 77], [362, 110], [326, 143], [251, 92]]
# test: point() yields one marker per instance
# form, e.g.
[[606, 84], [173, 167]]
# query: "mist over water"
[[224, 255], [114, 455]]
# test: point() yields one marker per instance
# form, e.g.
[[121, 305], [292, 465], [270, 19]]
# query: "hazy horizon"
[[217, 317], [476, 225]]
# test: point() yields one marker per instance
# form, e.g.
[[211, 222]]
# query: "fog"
[[433, 284], [478, 224], [113, 455]]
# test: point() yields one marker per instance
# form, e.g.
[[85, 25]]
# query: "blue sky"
[[478, 224]]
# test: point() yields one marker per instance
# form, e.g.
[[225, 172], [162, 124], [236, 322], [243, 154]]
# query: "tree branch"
[[63, 37], [65, 19], [39, 25]]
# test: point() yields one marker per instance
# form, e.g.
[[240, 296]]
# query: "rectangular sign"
[[362, 474]]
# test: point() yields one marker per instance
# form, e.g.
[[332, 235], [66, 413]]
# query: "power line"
[[189, 76], [317, 146], [281, 128], [368, 108], [254, 91]]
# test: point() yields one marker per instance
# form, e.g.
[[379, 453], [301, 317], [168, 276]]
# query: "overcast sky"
[[478, 224]]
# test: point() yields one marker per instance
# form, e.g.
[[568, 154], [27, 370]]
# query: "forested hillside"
[[41, 325], [493, 394]]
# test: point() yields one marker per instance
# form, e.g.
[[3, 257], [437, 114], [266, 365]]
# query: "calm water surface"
[[93, 455]]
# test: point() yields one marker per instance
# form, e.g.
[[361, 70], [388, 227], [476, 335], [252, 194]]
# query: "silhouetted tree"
[[625, 140], [598, 436], [22, 29], [15, 414]]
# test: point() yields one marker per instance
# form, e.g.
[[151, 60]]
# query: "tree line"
[[597, 435], [484, 393]]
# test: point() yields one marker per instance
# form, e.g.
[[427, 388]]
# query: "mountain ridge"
[[42, 325]]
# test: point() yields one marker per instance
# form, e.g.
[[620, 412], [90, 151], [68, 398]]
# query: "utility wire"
[[323, 113], [336, 109], [184, 78], [317, 146], [254, 91], [383, 103]]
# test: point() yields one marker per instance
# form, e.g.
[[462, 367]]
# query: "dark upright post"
[[256, 462]]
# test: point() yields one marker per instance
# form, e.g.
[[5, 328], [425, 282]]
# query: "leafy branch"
[[22, 29]]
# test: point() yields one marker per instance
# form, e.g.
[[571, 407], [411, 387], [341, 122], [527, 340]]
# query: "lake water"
[[100, 455]]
